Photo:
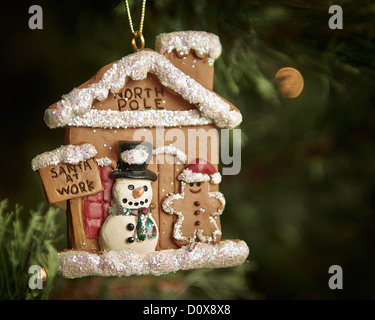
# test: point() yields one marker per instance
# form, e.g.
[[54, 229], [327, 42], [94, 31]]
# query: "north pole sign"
[[68, 181]]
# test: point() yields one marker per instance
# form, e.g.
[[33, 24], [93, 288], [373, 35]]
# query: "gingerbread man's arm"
[[220, 200], [172, 204]]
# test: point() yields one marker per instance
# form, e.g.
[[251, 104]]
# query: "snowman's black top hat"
[[133, 158]]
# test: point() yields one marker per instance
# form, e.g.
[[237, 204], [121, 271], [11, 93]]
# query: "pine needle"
[[23, 245]]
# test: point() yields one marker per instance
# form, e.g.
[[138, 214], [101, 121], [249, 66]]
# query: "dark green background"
[[305, 197]]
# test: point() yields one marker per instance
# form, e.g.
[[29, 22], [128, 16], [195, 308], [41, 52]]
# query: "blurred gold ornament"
[[289, 82], [43, 274]]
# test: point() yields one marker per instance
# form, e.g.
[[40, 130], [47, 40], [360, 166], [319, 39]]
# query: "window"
[[96, 206]]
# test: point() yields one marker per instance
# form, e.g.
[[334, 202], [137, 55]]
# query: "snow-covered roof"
[[75, 108], [202, 42], [69, 154]]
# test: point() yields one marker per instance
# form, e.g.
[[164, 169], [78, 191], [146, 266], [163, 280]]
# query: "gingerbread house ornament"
[[163, 101]]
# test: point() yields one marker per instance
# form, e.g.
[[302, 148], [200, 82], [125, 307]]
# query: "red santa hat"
[[200, 170]]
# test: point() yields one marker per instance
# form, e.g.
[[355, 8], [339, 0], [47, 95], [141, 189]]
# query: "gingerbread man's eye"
[[198, 184], [130, 187], [191, 184]]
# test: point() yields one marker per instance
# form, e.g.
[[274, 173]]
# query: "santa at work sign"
[[68, 172]]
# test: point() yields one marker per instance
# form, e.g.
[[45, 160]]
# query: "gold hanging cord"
[[136, 34]]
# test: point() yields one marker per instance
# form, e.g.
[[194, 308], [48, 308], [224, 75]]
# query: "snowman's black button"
[[130, 240], [124, 200], [130, 226]]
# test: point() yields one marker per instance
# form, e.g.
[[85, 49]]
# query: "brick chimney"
[[193, 52]]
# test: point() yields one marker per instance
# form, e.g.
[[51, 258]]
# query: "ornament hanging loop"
[[138, 35]]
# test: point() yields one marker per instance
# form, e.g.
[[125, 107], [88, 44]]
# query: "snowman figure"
[[130, 225]]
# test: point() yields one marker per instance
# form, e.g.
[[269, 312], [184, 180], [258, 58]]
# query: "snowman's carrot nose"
[[138, 192]]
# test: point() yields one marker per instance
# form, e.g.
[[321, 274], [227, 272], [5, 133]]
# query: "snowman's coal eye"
[[145, 188], [191, 184], [130, 226], [130, 240], [130, 187], [198, 184]]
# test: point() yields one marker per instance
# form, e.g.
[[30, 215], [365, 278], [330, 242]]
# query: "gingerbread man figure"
[[197, 209]]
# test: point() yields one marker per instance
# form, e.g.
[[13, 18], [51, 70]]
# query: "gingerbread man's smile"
[[195, 191]]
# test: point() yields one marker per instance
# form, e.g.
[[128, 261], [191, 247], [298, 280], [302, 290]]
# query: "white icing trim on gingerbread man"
[[167, 206], [189, 176]]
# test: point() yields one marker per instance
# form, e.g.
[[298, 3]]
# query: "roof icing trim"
[[183, 41], [69, 154], [136, 66], [114, 119]]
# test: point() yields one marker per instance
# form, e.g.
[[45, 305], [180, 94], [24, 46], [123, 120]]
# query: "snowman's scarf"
[[145, 226]]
